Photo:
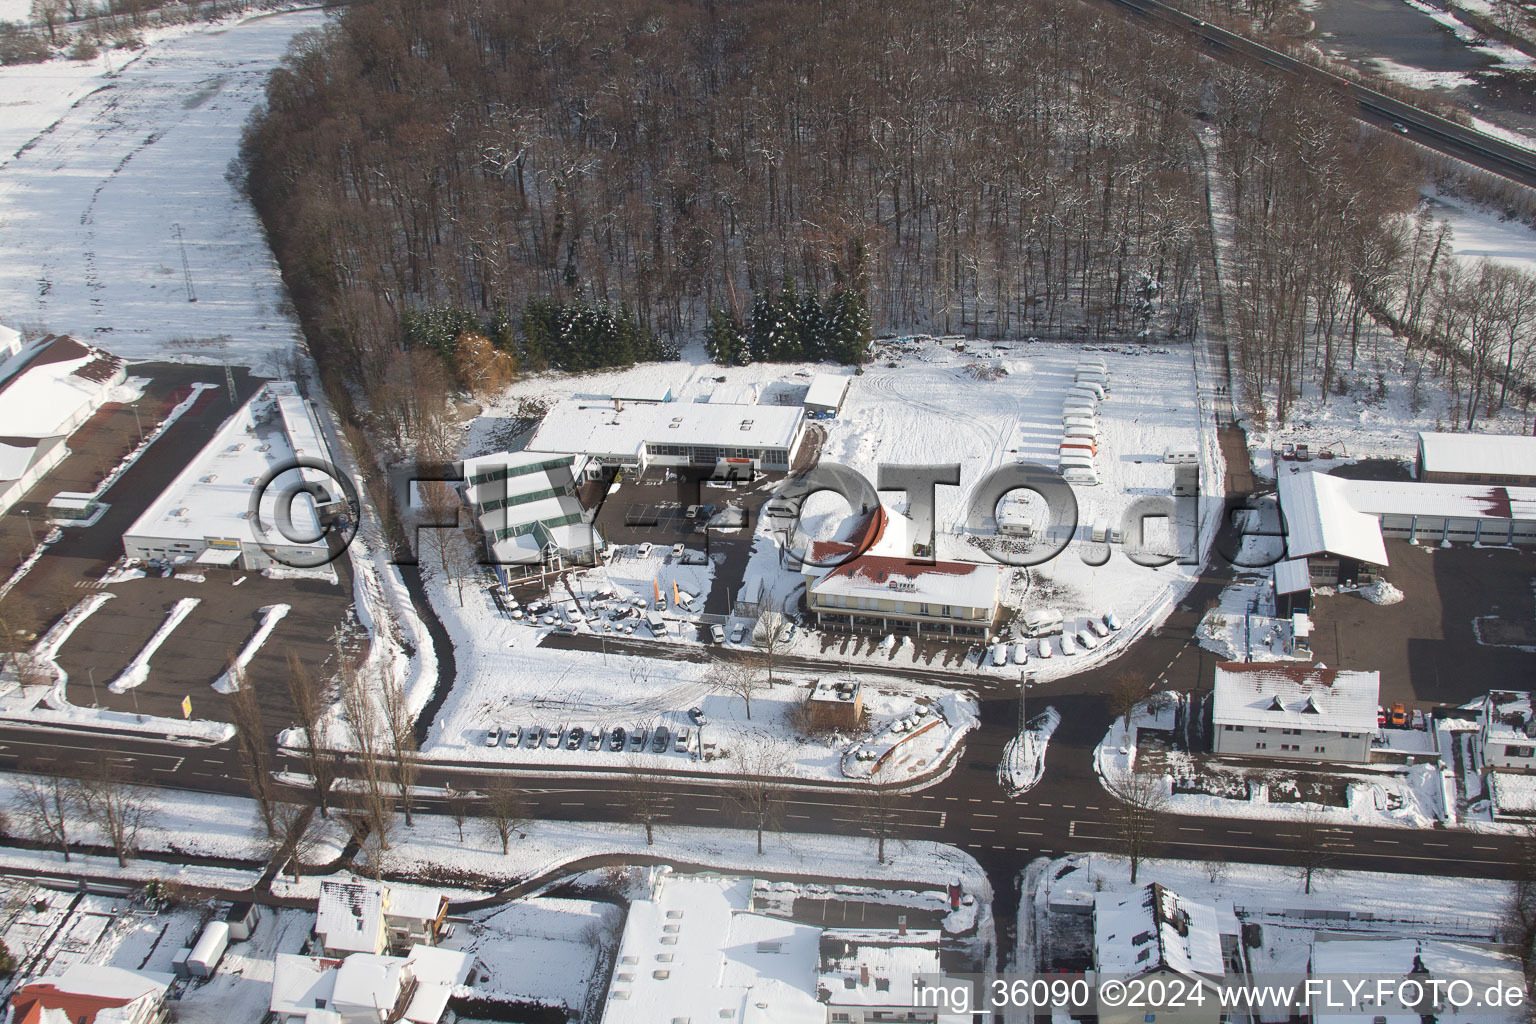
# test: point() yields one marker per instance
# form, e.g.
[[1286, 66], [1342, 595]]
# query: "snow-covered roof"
[[310, 986], [1471, 501], [1320, 519], [416, 903], [598, 428], [827, 390], [860, 967], [1292, 576], [1484, 454], [1311, 697], [1506, 716], [58, 377], [101, 981], [957, 584], [10, 341], [692, 951], [636, 391], [1395, 956], [210, 497], [1155, 929], [350, 915]]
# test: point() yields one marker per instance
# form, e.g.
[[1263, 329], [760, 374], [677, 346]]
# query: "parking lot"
[[1425, 646], [197, 651]]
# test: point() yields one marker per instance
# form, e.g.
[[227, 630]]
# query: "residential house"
[[1154, 932], [91, 994], [364, 916], [1299, 712], [367, 988], [1508, 731], [869, 975]]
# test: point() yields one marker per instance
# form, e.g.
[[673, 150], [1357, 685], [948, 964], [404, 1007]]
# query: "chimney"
[[863, 975], [901, 924]]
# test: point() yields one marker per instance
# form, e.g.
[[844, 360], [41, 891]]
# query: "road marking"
[[1089, 807], [983, 830], [1069, 807], [943, 817], [1390, 842], [1188, 828], [984, 814], [172, 768], [1042, 805], [973, 799], [1495, 849], [1238, 832]]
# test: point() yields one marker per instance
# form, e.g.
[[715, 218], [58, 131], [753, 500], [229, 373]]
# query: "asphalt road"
[[1429, 130]]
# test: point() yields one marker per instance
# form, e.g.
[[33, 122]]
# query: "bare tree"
[[372, 791], [401, 724], [1143, 806], [309, 709], [294, 836], [1126, 690], [440, 518], [114, 806], [741, 676], [1312, 848], [46, 806], [458, 810], [506, 810], [646, 802], [768, 637], [878, 811], [758, 788], [251, 743]]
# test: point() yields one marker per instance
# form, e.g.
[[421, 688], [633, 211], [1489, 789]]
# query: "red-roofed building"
[[91, 994]]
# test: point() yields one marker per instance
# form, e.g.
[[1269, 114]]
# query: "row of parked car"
[[637, 739], [1096, 630]]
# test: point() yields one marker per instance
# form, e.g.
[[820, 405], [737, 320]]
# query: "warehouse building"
[[1477, 459], [1338, 542], [824, 398], [204, 516], [615, 434]]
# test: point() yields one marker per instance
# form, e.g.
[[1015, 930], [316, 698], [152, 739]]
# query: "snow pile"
[[1024, 755], [138, 669], [229, 679], [1381, 592]]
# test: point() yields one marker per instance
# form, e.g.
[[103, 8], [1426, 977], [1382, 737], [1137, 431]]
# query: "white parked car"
[[1098, 628], [1021, 653], [1000, 655], [1085, 640], [717, 633], [1044, 648], [1112, 621], [1068, 645], [737, 632]]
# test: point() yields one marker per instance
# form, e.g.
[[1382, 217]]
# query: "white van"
[[1090, 363], [1079, 419], [1078, 403], [1080, 475], [1042, 621], [1087, 432], [1069, 460], [1180, 456], [1090, 388], [1095, 373]]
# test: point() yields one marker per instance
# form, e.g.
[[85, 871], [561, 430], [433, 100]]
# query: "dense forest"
[[591, 183]]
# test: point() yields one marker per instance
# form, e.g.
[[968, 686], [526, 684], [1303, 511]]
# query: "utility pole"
[[186, 268], [27, 517]]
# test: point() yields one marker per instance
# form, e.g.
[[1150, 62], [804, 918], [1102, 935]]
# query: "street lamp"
[[26, 515], [1025, 679]]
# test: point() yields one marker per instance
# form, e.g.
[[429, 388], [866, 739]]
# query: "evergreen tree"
[[724, 339]]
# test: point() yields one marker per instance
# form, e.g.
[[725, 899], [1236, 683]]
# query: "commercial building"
[[1508, 731], [205, 515], [884, 591], [528, 511], [695, 950], [1299, 712], [825, 396], [1477, 459], [836, 704], [616, 434], [1339, 527], [47, 390], [1153, 932]]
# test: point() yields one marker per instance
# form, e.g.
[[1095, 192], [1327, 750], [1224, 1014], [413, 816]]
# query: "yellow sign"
[[186, 707]]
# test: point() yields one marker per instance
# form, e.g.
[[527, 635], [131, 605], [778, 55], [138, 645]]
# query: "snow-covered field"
[[1477, 232], [107, 164]]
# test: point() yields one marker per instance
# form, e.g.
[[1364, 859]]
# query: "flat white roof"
[[597, 428], [1505, 715], [1320, 519], [1470, 501], [1486, 454], [863, 968], [1292, 577], [210, 497], [827, 390], [692, 951], [1271, 695]]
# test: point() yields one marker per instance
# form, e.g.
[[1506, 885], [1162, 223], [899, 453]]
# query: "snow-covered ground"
[[505, 680], [107, 164], [1477, 232], [547, 951], [1411, 795]]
